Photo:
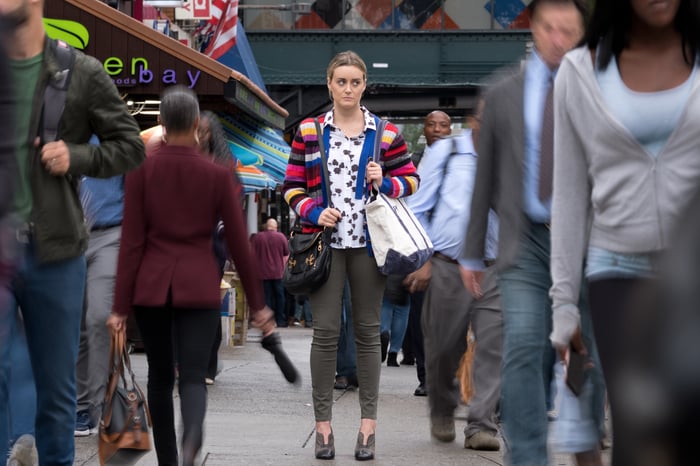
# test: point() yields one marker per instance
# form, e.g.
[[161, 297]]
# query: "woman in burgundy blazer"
[[168, 276]]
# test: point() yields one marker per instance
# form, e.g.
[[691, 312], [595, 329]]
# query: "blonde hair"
[[347, 58]]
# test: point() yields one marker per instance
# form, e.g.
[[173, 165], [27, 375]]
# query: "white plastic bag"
[[574, 430]]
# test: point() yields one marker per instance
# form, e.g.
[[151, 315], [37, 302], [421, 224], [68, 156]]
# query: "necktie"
[[547, 146]]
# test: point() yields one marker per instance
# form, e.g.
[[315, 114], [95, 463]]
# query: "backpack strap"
[[56, 91]]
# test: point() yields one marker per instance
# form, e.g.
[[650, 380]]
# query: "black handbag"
[[125, 420], [309, 262]]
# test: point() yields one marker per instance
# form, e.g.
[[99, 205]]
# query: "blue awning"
[[240, 57]]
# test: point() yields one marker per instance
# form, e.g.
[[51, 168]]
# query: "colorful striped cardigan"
[[303, 188]]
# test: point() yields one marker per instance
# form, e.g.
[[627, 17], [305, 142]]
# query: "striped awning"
[[252, 178], [254, 144]]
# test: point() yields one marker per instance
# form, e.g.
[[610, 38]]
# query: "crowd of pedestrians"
[[550, 215]]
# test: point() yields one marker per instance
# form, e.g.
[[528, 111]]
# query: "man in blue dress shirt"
[[514, 178], [442, 206], [103, 203]]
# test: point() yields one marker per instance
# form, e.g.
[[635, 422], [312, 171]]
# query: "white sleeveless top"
[[650, 117]]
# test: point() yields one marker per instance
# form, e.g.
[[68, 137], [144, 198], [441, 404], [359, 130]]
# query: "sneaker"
[[297, 323], [83, 425], [483, 441], [209, 381], [442, 428], [24, 452]]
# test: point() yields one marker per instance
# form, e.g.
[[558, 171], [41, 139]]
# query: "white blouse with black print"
[[343, 159]]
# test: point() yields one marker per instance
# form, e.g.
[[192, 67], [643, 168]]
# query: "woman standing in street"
[[168, 276], [345, 129], [627, 162]]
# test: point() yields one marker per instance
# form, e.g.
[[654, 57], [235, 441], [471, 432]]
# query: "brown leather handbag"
[[125, 421]]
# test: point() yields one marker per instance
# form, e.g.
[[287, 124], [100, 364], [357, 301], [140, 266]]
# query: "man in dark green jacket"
[[49, 280]]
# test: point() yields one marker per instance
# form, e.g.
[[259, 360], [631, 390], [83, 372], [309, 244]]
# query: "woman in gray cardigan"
[[627, 161]]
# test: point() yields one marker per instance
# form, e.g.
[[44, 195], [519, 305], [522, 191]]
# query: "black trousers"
[[413, 339], [625, 331], [213, 365], [192, 330]]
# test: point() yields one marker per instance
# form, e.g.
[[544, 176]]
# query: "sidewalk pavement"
[[255, 417]]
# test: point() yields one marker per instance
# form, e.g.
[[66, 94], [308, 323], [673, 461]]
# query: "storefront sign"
[[138, 72], [142, 62]]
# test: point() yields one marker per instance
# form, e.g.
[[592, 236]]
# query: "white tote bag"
[[399, 242]]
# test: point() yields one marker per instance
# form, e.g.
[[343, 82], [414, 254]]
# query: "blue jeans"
[[303, 311], [51, 298], [6, 327], [346, 358], [528, 356], [394, 321], [274, 298], [22, 389]]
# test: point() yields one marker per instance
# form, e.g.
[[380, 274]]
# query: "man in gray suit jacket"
[[514, 177]]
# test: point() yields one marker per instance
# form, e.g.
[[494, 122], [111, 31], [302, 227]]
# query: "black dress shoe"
[[341, 383], [384, 339], [345, 383], [420, 391], [391, 361], [325, 451], [364, 451]]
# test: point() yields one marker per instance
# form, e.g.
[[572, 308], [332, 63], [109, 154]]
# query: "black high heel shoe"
[[364, 451], [325, 451]]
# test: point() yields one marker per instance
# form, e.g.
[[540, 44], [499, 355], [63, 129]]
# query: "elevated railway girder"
[[409, 72]]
